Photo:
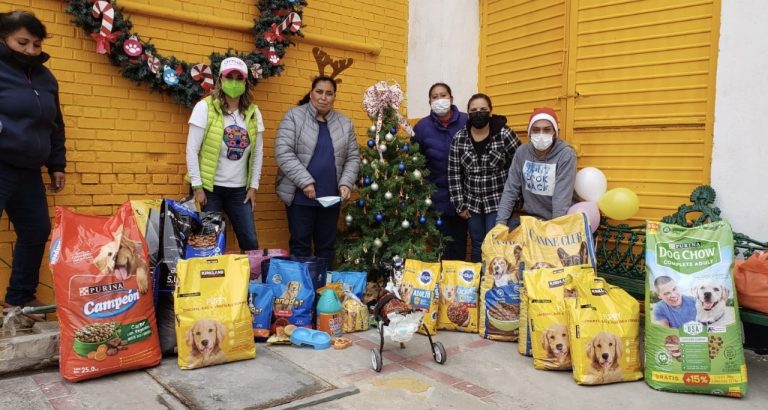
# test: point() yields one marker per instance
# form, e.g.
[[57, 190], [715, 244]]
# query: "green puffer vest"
[[209, 151]]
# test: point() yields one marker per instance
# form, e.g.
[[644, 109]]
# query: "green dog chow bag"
[[692, 325]]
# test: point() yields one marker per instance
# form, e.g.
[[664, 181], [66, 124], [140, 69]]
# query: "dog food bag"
[[563, 241], [499, 310], [352, 281], [604, 332], [208, 237], [524, 338], [147, 214], [459, 296], [420, 292], [100, 275], [258, 256], [214, 322], [260, 302], [547, 317], [294, 292], [502, 254], [176, 225], [692, 326]]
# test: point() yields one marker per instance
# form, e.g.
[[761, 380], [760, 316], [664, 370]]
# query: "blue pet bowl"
[[309, 337]]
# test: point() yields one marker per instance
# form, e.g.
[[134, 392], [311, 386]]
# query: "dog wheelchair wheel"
[[438, 353], [376, 360]]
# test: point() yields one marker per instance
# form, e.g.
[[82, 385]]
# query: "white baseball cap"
[[230, 64]]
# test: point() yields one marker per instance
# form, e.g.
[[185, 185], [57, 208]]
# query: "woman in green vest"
[[225, 150]]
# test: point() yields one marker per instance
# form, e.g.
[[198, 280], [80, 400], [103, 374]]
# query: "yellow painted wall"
[[127, 143]]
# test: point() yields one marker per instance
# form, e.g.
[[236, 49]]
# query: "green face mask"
[[233, 88]]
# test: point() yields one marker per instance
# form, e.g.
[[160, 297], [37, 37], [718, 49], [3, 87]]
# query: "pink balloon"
[[590, 208]]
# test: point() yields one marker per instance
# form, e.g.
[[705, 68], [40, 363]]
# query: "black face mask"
[[26, 60], [479, 119]]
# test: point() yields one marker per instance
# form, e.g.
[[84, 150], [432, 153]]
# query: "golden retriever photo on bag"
[[204, 338], [604, 353], [287, 299], [554, 340], [122, 257], [711, 303]]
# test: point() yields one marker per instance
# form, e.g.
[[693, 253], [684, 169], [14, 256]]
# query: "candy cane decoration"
[[293, 20], [153, 63], [104, 9], [204, 73]]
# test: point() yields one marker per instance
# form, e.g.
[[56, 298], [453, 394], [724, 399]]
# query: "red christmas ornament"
[[132, 47]]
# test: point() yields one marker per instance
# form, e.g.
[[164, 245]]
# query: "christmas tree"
[[392, 214]]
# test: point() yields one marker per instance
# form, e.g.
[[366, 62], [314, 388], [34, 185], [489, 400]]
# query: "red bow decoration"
[[103, 42]]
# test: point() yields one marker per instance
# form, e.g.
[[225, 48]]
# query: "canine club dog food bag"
[[692, 325], [294, 292], [100, 275], [500, 286], [214, 322], [604, 332], [420, 291], [563, 241], [458, 304]]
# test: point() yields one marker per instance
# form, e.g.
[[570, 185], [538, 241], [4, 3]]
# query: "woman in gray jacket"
[[318, 157]]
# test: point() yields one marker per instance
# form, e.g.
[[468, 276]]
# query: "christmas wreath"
[[187, 83]]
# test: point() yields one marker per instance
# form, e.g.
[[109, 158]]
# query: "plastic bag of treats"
[[604, 331], [214, 322], [419, 290], [692, 325], [458, 305], [563, 241], [100, 275], [354, 314], [500, 286]]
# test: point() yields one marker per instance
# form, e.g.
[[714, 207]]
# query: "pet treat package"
[[354, 314], [547, 317], [419, 290], [351, 281], [101, 278], [214, 322], [260, 302], [563, 241], [692, 326], [294, 292], [257, 257], [500, 286], [458, 305], [604, 332]]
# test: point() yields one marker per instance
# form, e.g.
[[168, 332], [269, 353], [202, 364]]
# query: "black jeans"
[[308, 224], [22, 196], [230, 200], [455, 227]]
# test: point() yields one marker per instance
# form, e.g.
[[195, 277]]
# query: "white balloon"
[[590, 184]]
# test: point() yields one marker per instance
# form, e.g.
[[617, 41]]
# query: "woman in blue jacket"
[[31, 135], [434, 134]]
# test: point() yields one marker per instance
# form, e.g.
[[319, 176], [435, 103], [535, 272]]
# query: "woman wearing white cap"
[[225, 150]]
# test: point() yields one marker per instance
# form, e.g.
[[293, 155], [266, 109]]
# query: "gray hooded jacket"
[[295, 145], [545, 185]]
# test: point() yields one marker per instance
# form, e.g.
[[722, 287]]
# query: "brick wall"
[[127, 143]]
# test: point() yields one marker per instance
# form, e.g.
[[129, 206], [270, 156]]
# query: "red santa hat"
[[543, 114]]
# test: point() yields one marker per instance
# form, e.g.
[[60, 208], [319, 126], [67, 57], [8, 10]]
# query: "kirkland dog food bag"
[[547, 318], [458, 304], [420, 291], [692, 325], [604, 331], [211, 303], [101, 278], [499, 310]]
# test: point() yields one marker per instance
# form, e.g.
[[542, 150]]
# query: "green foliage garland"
[[188, 91]]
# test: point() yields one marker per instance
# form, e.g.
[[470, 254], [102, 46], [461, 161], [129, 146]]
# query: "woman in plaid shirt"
[[478, 164]]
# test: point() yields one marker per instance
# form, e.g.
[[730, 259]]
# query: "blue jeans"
[[308, 224], [22, 196], [479, 225], [230, 200], [455, 227]]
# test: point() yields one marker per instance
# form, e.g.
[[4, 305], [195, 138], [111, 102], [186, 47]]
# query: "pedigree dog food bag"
[[604, 331], [101, 277], [692, 325], [419, 290], [214, 323], [458, 306], [499, 313]]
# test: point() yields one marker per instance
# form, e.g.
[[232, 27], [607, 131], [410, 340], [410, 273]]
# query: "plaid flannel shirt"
[[477, 182]]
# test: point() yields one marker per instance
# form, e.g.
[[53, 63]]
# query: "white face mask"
[[441, 106], [542, 141]]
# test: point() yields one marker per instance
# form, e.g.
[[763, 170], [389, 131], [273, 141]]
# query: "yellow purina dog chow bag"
[[499, 312], [459, 285], [420, 292], [604, 331], [214, 323], [692, 325]]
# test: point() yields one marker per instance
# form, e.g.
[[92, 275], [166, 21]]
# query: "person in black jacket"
[[31, 135]]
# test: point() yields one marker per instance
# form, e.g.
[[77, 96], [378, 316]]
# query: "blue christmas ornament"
[[401, 167], [360, 203], [406, 147], [402, 204], [379, 217], [422, 219], [393, 131], [367, 181], [371, 143], [170, 77], [439, 222]]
